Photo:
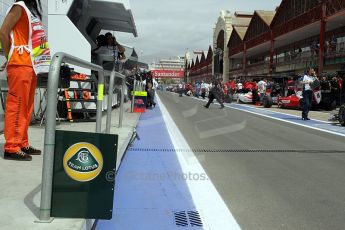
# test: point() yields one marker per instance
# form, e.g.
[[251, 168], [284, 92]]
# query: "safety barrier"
[[49, 137]]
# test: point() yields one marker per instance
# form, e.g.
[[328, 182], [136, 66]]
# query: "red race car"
[[293, 101]]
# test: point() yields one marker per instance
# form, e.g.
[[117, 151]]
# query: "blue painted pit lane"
[[153, 185]]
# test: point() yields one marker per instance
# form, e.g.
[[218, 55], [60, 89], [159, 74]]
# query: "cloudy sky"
[[166, 28]]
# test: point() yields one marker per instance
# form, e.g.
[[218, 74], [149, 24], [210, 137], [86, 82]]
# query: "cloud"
[[167, 28]]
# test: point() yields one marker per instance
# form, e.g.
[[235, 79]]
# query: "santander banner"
[[168, 73]]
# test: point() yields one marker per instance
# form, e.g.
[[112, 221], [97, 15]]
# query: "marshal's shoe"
[[18, 156], [31, 150]]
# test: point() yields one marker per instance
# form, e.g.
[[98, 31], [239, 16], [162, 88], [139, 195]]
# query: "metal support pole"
[[100, 96], [122, 101], [110, 99], [49, 138], [322, 37], [113, 75], [49, 135], [133, 97], [271, 56], [244, 61]]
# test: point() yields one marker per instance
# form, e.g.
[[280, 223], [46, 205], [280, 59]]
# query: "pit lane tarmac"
[[295, 181]]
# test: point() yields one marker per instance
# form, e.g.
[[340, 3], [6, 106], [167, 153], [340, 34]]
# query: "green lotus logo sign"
[[83, 162]]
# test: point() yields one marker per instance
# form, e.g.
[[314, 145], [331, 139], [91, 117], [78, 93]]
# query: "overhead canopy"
[[92, 16], [111, 15]]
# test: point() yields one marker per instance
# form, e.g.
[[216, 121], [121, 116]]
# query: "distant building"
[[198, 66], [221, 35], [172, 68], [176, 63]]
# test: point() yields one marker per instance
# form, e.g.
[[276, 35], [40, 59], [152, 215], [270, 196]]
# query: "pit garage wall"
[[4, 6]]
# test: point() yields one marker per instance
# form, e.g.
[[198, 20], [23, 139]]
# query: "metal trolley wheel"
[[342, 115]]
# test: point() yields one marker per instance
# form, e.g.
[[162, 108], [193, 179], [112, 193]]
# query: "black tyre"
[[267, 101], [342, 115]]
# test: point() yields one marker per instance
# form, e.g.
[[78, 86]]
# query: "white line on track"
[[290, 122], [215, 213], [279, 119], [273, 111], [270, 111]]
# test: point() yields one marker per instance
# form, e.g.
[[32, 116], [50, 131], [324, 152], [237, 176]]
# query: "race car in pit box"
[[243, 93], [294, 100], [247, 93]]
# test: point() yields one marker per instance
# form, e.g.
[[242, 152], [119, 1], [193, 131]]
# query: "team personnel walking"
[[262, 87], [150, 86], [203, 89], [215, 93], [26, 48], [307, 94], [180, 89]]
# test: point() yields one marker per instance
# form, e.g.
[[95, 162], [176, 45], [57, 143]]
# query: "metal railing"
[[49, 137], [113, 75]]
